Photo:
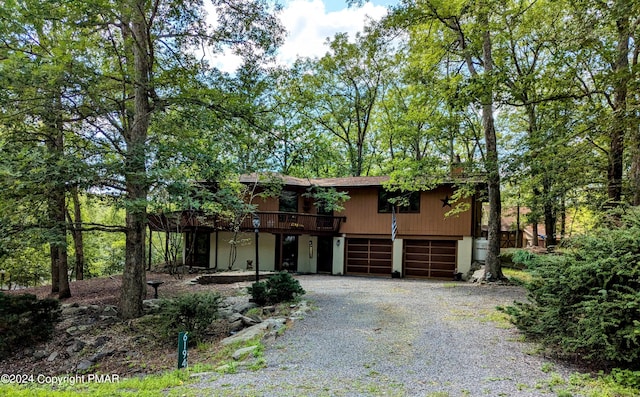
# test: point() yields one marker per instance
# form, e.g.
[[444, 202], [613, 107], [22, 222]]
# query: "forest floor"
[[129, 348]]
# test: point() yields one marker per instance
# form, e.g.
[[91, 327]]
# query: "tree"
[[464, 31], [338, 93]]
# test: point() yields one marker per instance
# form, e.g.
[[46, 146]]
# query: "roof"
[[350, 181]]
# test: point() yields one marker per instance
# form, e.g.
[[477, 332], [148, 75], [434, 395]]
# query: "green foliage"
[[587, 302], [281, 287], [523, 258], [327, 199], [25, 320], [192, 313]]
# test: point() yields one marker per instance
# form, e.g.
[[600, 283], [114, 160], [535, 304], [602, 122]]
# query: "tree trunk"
[[549, 213], [76, 232], [55, 272], [57, 206], [133, 279], [619, 125], [493, 268]]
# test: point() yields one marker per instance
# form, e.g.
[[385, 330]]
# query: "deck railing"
[[273, 222], [294, 222]]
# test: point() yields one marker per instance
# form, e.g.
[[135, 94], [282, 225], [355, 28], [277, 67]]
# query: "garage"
[[369, 256], [429, 258]]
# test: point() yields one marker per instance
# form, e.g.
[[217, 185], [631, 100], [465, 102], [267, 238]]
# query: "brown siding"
[[362, 215]]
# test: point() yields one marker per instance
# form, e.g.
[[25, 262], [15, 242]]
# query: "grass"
[[148, 386], [168, 383], [517, 276]]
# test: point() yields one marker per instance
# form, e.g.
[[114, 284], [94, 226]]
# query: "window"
[[407, 202], [288, 201]]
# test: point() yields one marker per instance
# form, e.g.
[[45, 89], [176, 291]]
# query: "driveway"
[[372, 337]]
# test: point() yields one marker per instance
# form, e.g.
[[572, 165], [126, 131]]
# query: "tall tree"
[[338, 94], [464, 30]]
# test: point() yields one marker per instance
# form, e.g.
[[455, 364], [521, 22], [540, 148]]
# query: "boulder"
[[257, 330], [244, 307], [242, 353]]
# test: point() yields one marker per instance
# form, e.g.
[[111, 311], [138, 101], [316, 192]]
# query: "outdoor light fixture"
[[256, 227], [310, 249], [337, 243]]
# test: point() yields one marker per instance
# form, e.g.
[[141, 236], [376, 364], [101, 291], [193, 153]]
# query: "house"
[[296, 235]]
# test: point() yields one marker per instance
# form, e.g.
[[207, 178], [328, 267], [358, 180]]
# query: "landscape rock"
[[52, 356], [242, 353], [110, 311], [85, 365], [250, 321], [235, 317], [244, 307], [77, 330], [477, 276], [301, 310], [101, 340], [99, 356], [76, 346], [74, 310], [40, 354], [255, 331], [236, 326]]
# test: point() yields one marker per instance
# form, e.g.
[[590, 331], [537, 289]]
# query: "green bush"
[[278, 288], [192, 313], [586, 303], [26, 320], [523, 258]]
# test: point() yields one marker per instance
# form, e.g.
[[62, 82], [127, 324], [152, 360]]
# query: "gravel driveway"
[[371, 337]]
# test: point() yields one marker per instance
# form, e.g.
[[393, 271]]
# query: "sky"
[[310, 22]]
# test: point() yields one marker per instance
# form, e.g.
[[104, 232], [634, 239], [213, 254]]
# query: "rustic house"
[[297, 235]]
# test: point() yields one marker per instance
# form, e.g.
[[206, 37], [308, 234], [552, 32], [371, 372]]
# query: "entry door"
[[325, 254], [287, 255], [198, 247]]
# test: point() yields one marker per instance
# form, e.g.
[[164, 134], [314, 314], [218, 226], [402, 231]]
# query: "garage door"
[[429, 258], [369, 256]]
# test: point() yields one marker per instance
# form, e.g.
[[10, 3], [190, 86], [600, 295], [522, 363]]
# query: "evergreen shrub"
[[281, 287], [586, 302], [192, 313], [26, 320]]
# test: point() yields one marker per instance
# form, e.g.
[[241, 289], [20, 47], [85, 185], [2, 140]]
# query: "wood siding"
[[361, 211]]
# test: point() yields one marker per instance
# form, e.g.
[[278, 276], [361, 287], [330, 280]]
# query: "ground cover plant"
[[585, 303]]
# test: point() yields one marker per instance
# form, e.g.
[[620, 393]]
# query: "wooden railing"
[[279, 222], [274, 222]]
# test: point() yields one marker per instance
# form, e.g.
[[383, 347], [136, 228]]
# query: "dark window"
[[408, 202], [288, 201]]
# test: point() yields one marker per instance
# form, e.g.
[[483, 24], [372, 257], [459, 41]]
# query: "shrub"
[[25, 320], [192, 313], [278, 288], [586, 303], [523, 258]]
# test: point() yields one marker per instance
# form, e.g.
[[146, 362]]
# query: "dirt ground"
[[106, 290], [131, 348]]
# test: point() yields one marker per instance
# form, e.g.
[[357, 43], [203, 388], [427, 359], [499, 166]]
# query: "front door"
[[198, 246], [287, 255], [325, 254]]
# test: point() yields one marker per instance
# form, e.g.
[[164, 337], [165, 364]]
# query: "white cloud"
[[308, 24]]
